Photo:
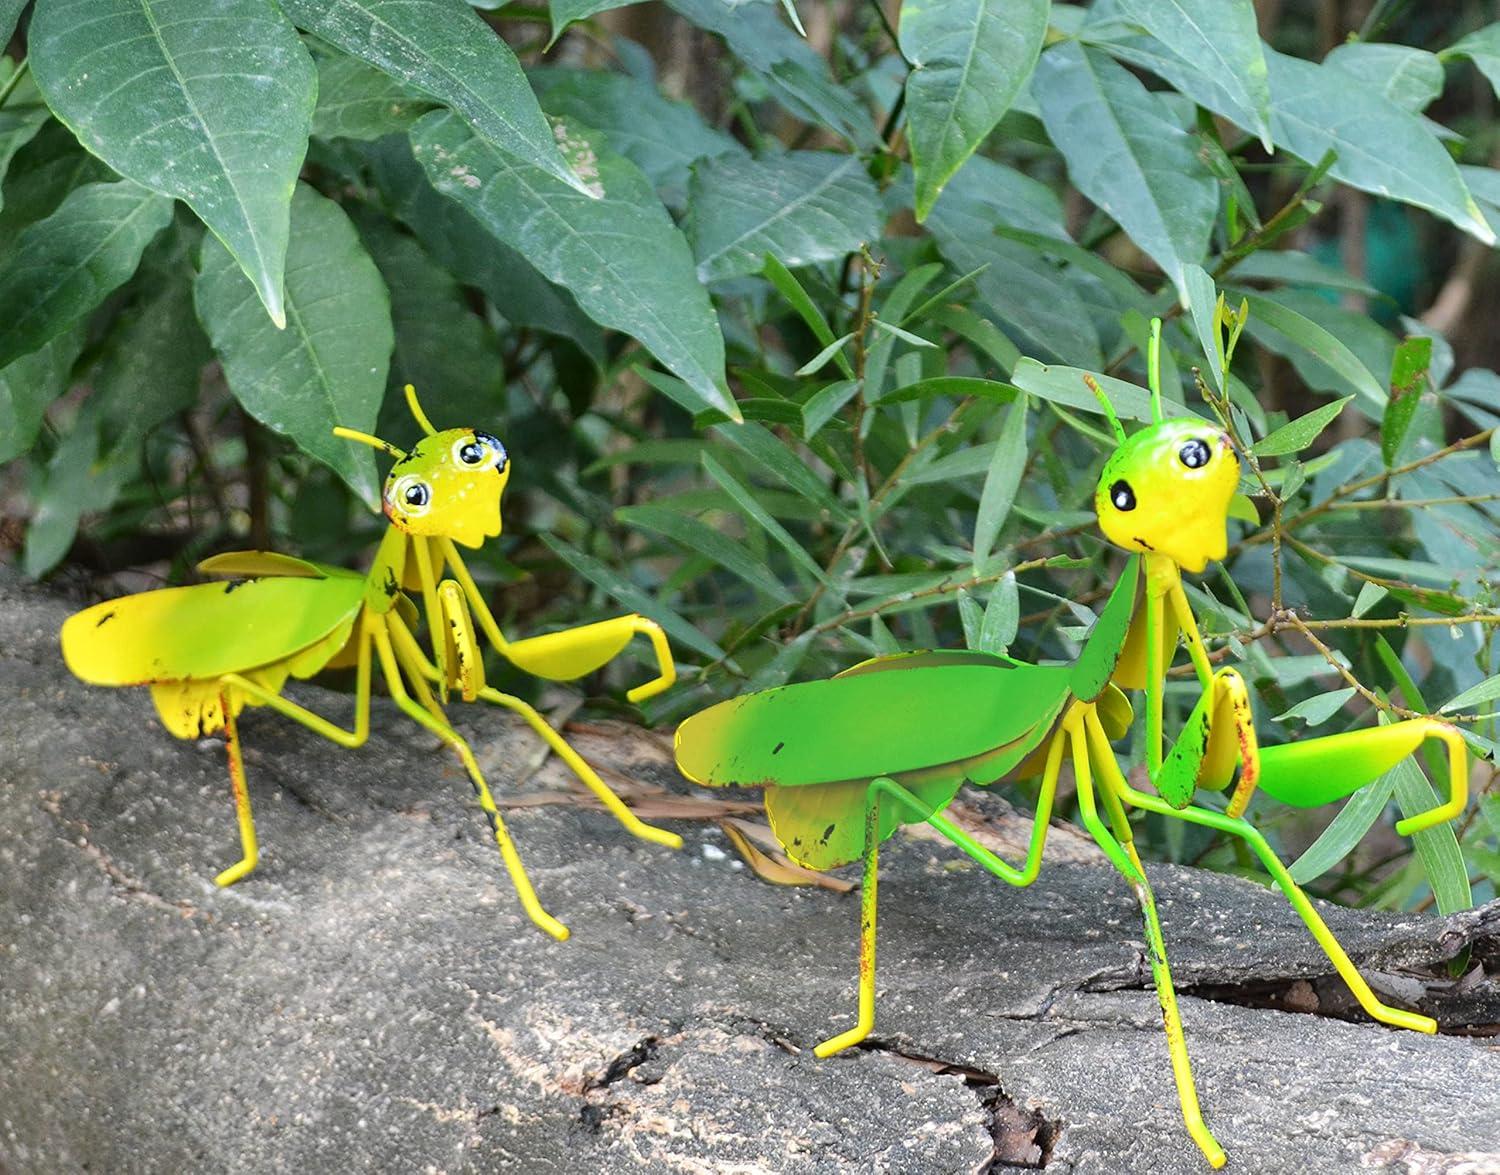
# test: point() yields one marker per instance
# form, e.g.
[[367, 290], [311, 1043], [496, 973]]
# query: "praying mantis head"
[[1166, 489], [448, 486]]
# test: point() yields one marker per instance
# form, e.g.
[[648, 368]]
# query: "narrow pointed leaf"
[[30, 385], [1408, 382], [969, 60], [703, 539], [62, 267], [618, 252], [1476, 695], [328, 367], [211, 106], [443, 49], [1001, 482], [1127, 154], [1302, 332], [1296, 435]]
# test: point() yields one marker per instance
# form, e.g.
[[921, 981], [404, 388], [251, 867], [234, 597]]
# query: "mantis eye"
[[1194, 454], [481, 451], [471, 452], [1122, 495], [412, 495]]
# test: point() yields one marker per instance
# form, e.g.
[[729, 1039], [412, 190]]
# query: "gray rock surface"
[[373, 997]]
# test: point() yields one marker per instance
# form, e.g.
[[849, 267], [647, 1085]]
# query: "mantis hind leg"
[[1126, 861], [508, 854], [1007, 872], [580, 767], [1299, 900], [249, 849]]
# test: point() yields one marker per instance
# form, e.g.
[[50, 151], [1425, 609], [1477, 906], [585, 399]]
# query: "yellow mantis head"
[[448, 486], [1166, 489]]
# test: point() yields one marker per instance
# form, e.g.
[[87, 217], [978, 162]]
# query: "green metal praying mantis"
[[208, 650], [845, 761]]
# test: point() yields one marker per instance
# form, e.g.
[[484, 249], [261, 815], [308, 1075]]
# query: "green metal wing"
[[868, 724], [1106, 641], [204, 631]]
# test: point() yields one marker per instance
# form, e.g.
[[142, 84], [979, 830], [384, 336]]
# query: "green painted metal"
[[1321, 770], [1106, 641]]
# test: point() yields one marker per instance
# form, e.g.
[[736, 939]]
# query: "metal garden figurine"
[[845, 761], [208, 650]]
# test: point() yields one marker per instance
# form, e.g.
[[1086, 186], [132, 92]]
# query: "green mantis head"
[[1166, 489], [448, 486]]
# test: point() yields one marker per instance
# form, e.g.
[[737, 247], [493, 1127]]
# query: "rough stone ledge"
[[373, 997]]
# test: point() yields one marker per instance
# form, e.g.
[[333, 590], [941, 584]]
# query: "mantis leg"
[[1128, 864], [586, 774], [411, 656], [1300, 902], [1007, 872], [508, 853], [249, 850]]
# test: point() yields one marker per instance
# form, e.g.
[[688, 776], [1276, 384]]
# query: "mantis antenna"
[[1109, 409], [1155, 371], [364, 438], [416, 411]]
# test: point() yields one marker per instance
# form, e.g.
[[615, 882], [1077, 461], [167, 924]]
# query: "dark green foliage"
[[894, 250]]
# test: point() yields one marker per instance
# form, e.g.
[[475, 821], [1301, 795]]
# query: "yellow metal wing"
[[204, 631]]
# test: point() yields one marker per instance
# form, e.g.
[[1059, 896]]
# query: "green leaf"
[[464, 247], [797, 298], [328, 366], [1203, 301], [209, 106], [1408, 381], [1296, 435], [1303, 333], [566, 12], [358, 101], [1002, 616], [10, 14], [1476, 695], [40, 177], [1411, 78], [442, 49], [1482, 47], [1064, 385], [824, 404], [617, 252], [777, 459], [1299, 269], [822, 357], [73, 484], [1222, 37], [802, 207], [1370, 594], [62, 267], [746, 501], [1127, 154], [1344, 831], [1319, 708], [30, 385], [969, 60], [23, 115], [698, 537], [797, 76], [625, 592], [443, 349], [662, 137], [1001, 482], [1381, 148], [1437, 848]]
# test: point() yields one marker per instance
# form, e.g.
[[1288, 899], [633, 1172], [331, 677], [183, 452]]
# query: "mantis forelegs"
[[1129, 864], [1007, 872], [249, 850]]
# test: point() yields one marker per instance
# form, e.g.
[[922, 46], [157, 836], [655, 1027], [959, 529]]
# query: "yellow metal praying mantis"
[[208, 650], [844, 762]]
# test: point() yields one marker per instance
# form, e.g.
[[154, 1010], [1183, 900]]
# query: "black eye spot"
[[494, 443], [472, 453], [1194, 454], [417, 494], [1122, 495]]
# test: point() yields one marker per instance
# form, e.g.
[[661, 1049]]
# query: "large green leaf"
[[460, 244], [969, 60], [618, 251], [358, 101], [446, 351], [1221, 36], [565, 12], [43, 172], [62, 267], [1128, 154], [662, 137], [22, 116], [1411, 78], [1482, 47], [1381, 148], [1065, 385], [1019, 284], [328, 366], [29, 385], [801, 207], [757, 33], [210, 106], [10, 13], [442, 48]]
